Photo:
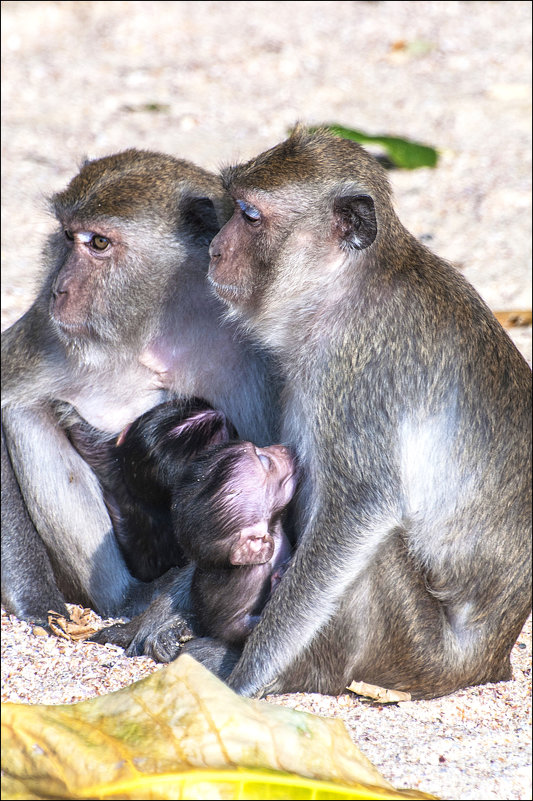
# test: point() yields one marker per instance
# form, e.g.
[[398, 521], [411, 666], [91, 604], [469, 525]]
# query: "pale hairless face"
[[261, 483], [264, 480]]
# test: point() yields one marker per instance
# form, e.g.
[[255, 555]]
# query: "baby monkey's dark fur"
[[181, 488], [227, 509], [140, 471]]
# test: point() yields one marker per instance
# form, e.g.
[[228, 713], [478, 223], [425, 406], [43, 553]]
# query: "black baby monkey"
[[227, 510], [181, 488], [137, 472]]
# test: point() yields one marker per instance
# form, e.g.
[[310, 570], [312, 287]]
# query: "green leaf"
[[402, 152]]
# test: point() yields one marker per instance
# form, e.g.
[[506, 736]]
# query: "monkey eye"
[[265, 461], [99, 242], [69, 235], [250, 213]]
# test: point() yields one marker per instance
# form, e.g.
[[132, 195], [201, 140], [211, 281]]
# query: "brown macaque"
[[227, 509], [137, 472], [409, 409], [123, 320]]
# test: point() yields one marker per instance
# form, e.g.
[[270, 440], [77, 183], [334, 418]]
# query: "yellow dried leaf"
[[380, 694], [80, 615], [78, 627], [180, 733], [39, 631], [515, 318]]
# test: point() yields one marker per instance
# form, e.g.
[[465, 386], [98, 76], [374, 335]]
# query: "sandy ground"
[[217, 82]]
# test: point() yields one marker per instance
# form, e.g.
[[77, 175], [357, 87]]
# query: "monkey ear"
[[209, 427], [355, 221], [254, 546], [122, 436], [199, 217]]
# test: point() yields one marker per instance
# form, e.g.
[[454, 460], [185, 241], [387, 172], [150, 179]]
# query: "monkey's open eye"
[[250, 213], [69, 235], [99, 242]]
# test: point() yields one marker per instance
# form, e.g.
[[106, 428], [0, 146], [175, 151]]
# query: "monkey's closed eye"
[[250, 213], [265, 461], [99, 242], [69, 235]]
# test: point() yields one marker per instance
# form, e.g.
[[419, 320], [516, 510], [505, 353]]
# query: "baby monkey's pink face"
[[266, 478], [261, 485], [277, 474]]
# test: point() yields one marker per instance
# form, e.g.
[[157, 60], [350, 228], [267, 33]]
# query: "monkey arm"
[[28, 585], [26, 367], [64, 501]]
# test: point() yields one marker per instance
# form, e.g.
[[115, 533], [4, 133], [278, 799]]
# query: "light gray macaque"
[[123, 320], [409, 409]]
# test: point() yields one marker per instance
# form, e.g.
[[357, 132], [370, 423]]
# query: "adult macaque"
[[138, 471], [227, 509], [409, 410], [124, 316]]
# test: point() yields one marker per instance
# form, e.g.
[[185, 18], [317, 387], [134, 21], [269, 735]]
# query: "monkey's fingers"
[[119, 634], [165, 642]]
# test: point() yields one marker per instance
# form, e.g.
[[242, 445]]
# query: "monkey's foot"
[[142, 637], [217, 657], [118, 634], [165, 644]]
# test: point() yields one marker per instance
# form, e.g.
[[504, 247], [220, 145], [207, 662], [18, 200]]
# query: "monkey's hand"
[[160, 630], [145, 636]]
